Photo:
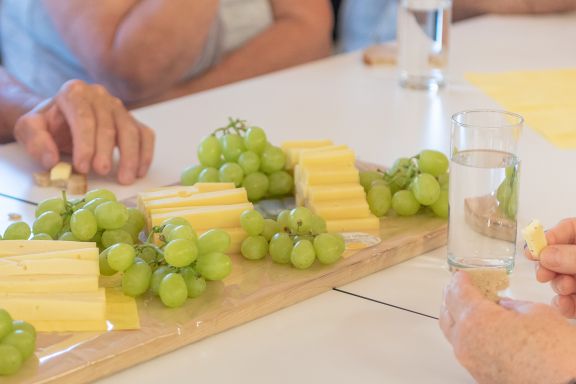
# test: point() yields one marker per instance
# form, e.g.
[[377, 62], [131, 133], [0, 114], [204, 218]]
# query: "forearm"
[[15, 100], [468, 8]]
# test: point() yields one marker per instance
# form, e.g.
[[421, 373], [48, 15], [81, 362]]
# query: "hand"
[[86, 121], [557, 265], [514, 342]]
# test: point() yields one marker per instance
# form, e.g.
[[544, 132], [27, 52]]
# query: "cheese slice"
[[343, 209], [329, 176], [370, 223], [289, 144], [229, 196], [19, 247], [183, 191], [48, 283], [218, 216], [293, 154], [52, 266], [535, 238], [55, 306], [336, 192], [77, 254], [336, 158]]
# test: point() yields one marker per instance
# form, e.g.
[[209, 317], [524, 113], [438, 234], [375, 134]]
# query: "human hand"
[[557, 265], [514, 342], [86, 121]]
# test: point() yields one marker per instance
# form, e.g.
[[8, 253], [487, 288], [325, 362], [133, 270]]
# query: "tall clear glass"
[[484, 175], [423, 32]]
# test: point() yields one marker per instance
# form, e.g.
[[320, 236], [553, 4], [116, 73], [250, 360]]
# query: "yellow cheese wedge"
[[293, 155], [535, 238], [52, 266], [60, 174], [55, 306], [183, 191], [19, 247], [343, 209], [338, 192], [48, 283], [77, 254], [328, 176], [332, 158], [218, 216], [305, 144], [368, 224], [229, 196]]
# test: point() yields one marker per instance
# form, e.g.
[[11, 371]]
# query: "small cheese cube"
[[535, 238]]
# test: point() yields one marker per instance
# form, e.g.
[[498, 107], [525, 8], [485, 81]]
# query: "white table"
[[381, 328]]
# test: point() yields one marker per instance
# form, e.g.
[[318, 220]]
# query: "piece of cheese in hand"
[[535, 238]]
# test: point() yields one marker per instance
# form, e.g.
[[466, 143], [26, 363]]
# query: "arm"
[[468, 8], [514, 342], [126, 44], [300, 33]]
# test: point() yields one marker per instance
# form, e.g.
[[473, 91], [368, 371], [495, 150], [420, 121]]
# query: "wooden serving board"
[[254, 289]]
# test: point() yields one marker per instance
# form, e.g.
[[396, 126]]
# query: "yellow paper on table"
[[546, 99]]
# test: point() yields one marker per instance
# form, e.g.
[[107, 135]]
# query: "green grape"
[[5, 323], [136, 279], [297, 238], [105, 268], [180, 252], [367, 177], [157, 277], [209, 175], [301, 219], [176, 221], [400, 164], [67, 236], [425, 188], [120, 256], [329, 248], [49, 222], [111, 215], [96, 193], [77, 204], [132, 229], [252, 222], [281, 183], [41, 236], [210, 152], [148, 254], [284, 220], [195, 283], [93, 204], [504, 191], [256, 185], [182, 232], [189, 175], [232, 146], [510, 171], [24, 326], [173, 291], [513, 202], [444, 180], [273, 159], [10, 360], [17, 231], [115, 236], [378, 182], [137, 218], [318, 225], [214, 265], [271, 227], [280, 248], [254, 247], [303, 254], [166, 229], [255, 140], [231, 173], [440, 206], [432, 162], [23, 341], [83, 224], [55, 205], [249, 161], [214, 240], [379, 199], [404, 203]]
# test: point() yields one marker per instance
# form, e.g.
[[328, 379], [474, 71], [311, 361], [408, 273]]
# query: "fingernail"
[[47, 160]]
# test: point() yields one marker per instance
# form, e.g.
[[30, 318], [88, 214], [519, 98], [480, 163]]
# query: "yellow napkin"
[[546, 99]]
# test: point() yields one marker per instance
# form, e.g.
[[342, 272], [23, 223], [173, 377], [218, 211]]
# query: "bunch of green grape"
[[17, 343], [297, 237], [97, 217], [507, 193], [409, 185], [241, 155], [175, 270]]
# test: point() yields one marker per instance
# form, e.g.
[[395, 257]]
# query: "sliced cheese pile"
[[327, 181], [51, 281], [205, 206]]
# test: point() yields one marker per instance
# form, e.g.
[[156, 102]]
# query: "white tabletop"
[[380, 328]]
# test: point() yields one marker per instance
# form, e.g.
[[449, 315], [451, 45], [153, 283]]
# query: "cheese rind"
[[535, 238]]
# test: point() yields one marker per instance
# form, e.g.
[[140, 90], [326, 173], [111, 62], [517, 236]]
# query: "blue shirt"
[[366, 22]]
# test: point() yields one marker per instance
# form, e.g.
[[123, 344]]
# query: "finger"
[[74, 102], [543, 274], [559, 258], [461, 295], [563, 233], [147, 140], [105, 131], [564, 285], [31, 131], [128, 135], [566, 305]]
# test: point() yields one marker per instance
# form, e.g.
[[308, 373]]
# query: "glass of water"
[[484, 178], [423, 32]]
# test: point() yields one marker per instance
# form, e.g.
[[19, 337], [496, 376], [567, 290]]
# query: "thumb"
[[31, 130], [559, 258]]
